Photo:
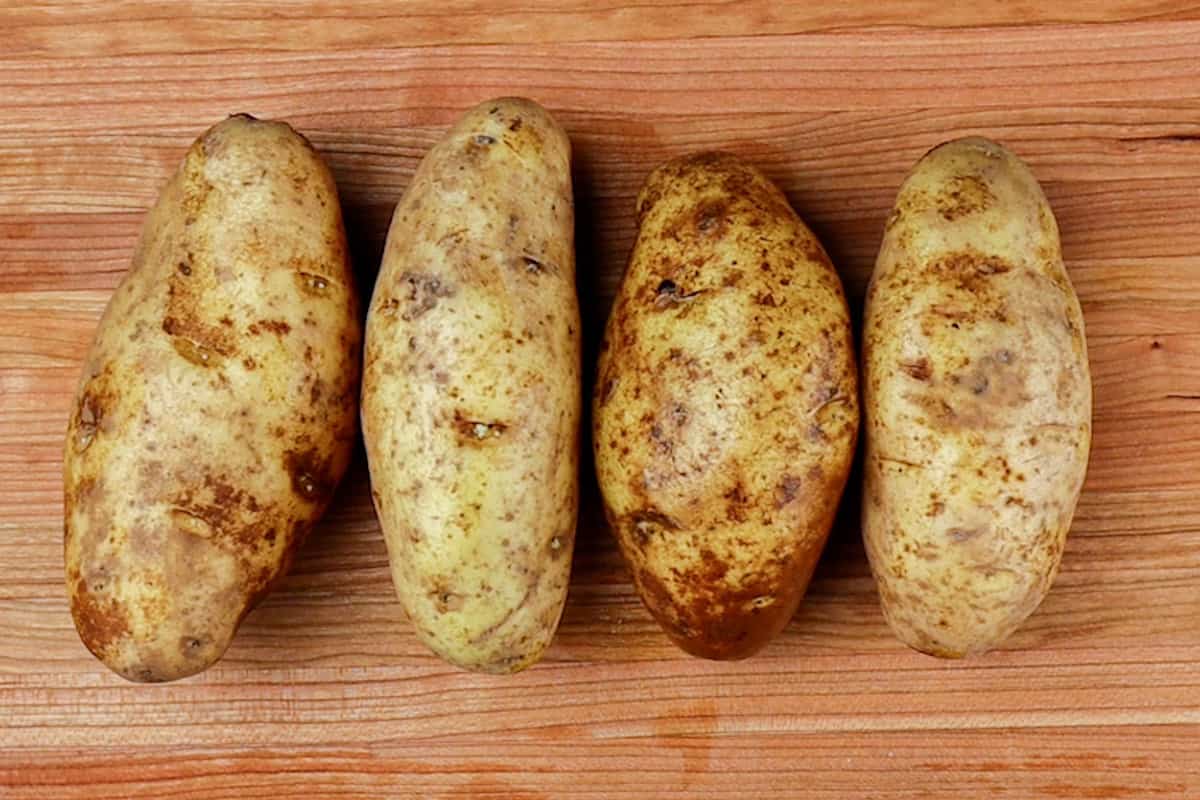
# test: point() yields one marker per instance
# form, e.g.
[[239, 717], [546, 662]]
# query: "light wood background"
[[326, 693]]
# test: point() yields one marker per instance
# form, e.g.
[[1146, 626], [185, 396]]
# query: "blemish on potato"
[[447, 601], [959, 535], [192, 523], [474, 430], [920, 369], [423, 293], [312, 284], [668, 293], [92, 409], [647, 522], [100, 621], [711, 217], [275, 326], [736, 503], [787, 490], [532, 265], [964, 195], [307, 471], [560, 545], [195, 352], [767, 298]]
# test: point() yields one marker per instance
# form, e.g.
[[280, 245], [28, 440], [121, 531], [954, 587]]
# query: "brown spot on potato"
[[607, 390], [97, 401], [100, 621], [920, 369], [787, 490], [969, 270], [647, 522], [422, 295], [193, 523], [309, 473], [446, 601], [767, 299], [964, 195], [736, 504], [536, 266], [474, 431], [815, 253], [668, 294], [717, 620], [713, 568], [275, 326], [711, 217], [195, 353], [960, 535]]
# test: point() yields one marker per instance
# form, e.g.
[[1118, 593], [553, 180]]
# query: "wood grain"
[[327, 693], [63, 27]]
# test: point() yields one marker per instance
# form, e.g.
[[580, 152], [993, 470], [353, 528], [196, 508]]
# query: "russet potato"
[[977, 400], [471, 389], [216, 410], [726, 405]]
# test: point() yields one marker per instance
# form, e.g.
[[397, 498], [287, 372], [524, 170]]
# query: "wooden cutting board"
[[327, 694]]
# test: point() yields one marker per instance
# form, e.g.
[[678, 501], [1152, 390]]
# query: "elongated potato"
[[978, 401], [471, 396], [215, 414], [726, 408]]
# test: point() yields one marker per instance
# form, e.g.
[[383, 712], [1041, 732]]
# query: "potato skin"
[[216, 410], [978, 401], [471, 393], [726, 406]]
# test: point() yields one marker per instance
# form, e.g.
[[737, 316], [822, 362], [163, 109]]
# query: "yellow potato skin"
[[471, 390], [726, 405], [977, 399], [216, 410]]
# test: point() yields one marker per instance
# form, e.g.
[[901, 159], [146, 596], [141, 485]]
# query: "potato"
[[216, 410], [726, 406], [977, 399], [471, 395]]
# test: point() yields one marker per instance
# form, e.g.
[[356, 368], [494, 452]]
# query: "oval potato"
[[726, 406], [215, 414], [977, 400], [471, 395]]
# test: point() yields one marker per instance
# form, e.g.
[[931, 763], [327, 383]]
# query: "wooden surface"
[[326, 693]]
